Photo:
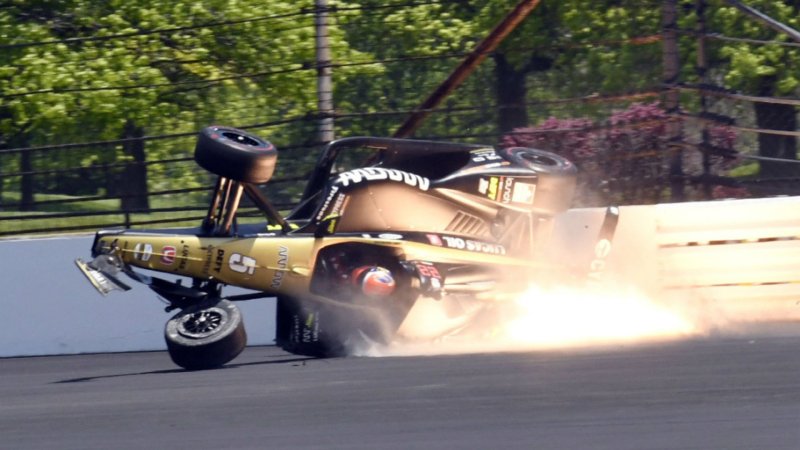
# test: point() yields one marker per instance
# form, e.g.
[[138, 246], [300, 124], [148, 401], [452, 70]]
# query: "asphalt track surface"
[[724, 393]]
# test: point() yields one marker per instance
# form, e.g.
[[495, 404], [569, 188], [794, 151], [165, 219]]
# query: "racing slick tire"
[[326, 330], [556, 177], [235, 154], [206, 335], [540, 161]]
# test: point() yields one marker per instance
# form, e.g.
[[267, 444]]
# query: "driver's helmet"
[[373, 281]]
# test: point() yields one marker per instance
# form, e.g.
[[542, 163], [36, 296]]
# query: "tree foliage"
[[622, 157], [767, 69], [81, 70]]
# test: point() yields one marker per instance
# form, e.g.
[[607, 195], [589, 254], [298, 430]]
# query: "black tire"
[[556, 178], [540, 161], [235, 154], [206, 335], [329, 330]]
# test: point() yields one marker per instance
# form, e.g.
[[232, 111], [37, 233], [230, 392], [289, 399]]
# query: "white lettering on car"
[[328, 200], [242, 264], [474, 246], [356, 176], [508, 182], [143, 252]]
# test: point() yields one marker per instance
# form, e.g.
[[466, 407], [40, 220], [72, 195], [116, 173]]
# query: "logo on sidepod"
[[142, 252], [356, 176], [168, 253], [283, 263]]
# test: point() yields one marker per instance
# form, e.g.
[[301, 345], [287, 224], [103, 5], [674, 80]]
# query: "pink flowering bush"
[[624, 159]]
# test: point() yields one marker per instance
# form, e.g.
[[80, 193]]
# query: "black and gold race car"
[[382, 223]]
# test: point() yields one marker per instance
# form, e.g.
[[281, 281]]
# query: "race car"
[[382, 224]]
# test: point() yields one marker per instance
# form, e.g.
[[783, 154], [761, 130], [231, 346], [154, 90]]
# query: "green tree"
[[767, 70], [78, 70], [561, 49]]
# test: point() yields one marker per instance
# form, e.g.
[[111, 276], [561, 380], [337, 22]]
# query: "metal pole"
[[765, 19], [506, 26], [702, 72], [671, 63], [324, 83]]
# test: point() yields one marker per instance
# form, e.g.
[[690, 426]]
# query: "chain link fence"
[[638, 133]]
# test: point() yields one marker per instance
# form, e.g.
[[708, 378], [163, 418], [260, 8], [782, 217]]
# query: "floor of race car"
[[724, 393]]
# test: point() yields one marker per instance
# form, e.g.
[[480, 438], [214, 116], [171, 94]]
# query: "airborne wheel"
[[555, 175], [235, 154], [206, 335], [539, 161]]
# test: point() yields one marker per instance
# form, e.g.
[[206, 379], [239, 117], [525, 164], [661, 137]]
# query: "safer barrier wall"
[[47, 306], [741, 259], [737, 260]]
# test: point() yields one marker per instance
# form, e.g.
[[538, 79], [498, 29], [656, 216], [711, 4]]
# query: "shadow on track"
[[296, 361]]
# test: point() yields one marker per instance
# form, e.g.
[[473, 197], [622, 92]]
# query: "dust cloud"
[[542, 319]]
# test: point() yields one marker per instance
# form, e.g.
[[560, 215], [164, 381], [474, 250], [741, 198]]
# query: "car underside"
[[382, 224]]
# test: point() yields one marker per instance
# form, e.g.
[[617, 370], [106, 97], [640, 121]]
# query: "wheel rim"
[[536, 158], [242, 139], [202, 323]]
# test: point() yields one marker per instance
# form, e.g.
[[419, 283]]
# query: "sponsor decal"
[[207, 260], [434, 239], [332, 222], [492, 192], [219, 260], [390, 236], [295, 336], [339, 205], [143, 252], [474, 246], [428, 270], [282, 263], [242, 264], [357, 176], [523, 193], [215, 256], [507, 190], [311, 328], [168, 253], [483, 186], [184, 257], [327, 202], [598, 263], [305, 331], [484, 155], [508, 184], [602, 248], [429, 277]]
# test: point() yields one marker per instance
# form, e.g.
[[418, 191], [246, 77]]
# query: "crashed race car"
[[383, 224]]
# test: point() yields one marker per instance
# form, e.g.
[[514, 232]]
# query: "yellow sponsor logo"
[[493, 182]]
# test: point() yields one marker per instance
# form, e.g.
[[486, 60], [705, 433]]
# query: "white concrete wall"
[[736, 260], [48, 307]]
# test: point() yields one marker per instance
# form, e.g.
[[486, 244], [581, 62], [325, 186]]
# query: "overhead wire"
[[306, 11]]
